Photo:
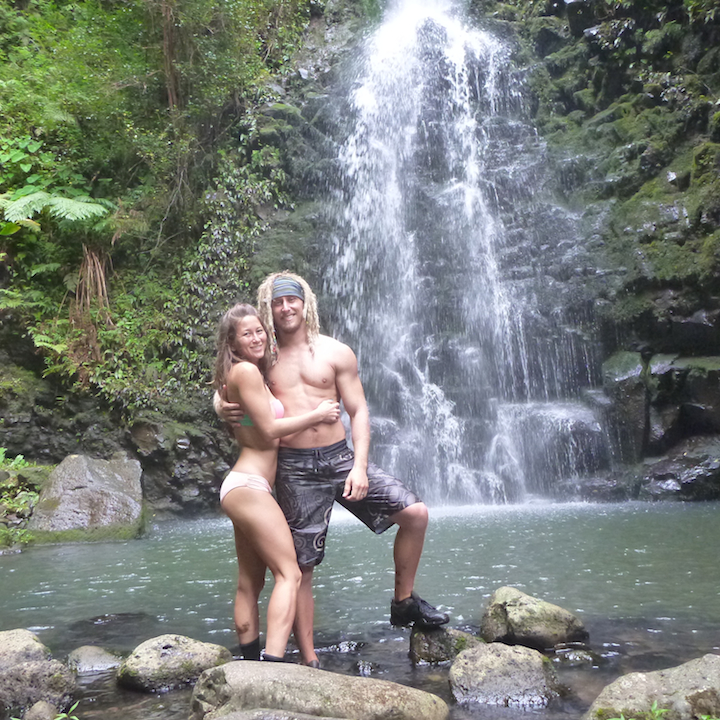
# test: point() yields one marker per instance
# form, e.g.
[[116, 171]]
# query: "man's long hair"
[[227, 332], [310, 311]]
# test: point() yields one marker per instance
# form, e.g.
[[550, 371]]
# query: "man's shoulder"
[[325, 343]]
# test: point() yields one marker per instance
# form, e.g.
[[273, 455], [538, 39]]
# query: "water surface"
[[643, 577]]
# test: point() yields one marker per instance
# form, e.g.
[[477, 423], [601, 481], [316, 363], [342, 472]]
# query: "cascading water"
[[447, 265]]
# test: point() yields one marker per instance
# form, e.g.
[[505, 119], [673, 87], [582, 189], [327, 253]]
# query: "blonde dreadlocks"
[[310, 312]]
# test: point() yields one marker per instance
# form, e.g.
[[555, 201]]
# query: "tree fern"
[[21, 209]]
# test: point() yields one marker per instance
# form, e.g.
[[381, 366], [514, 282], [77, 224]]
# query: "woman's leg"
[[251, 579], [266, 537]]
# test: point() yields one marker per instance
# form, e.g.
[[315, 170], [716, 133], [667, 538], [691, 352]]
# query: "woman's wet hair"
[[226, 335]]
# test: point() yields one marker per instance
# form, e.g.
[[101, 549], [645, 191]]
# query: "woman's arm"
[[245, 383]]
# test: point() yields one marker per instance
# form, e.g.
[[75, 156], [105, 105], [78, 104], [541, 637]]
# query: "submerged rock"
[[169, 661], [90, 659], [496, 674], [687, 691], [519, 619], [248, 685]]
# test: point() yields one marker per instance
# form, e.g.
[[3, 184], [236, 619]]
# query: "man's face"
[[287, 313]]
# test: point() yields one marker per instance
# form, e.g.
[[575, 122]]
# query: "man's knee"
[[413, 517]]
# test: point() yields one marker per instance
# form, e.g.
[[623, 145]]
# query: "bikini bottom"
[[236, 479]]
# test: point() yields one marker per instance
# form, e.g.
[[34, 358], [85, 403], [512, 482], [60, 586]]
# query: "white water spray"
[[439, 168]]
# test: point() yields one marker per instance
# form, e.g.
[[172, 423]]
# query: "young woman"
[[262, 536]]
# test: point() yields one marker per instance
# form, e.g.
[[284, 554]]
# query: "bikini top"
[[277, 407]]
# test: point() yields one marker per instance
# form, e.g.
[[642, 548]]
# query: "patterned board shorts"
[[307, 483]]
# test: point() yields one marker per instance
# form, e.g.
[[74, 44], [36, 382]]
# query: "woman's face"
[[250, 339]]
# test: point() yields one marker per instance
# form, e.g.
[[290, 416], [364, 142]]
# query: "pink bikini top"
[[277, 407]]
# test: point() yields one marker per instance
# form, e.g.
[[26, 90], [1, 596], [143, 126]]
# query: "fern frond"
[[74, 208], [9, 300], [44, 268], [44, 341], [25, 207], [30, 224]]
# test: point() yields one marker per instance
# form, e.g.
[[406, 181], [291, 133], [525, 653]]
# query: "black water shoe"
[[415, 610]]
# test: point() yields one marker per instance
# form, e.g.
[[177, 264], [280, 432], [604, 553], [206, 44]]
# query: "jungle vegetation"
[[128, 179]]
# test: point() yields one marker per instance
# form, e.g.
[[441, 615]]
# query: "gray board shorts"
[[310, 480]]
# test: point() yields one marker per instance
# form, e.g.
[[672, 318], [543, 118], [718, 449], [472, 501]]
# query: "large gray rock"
[[169, 661], [28, 675], [513, 617], [439, 644], [86, 499], [687, 691], [247, 685], [497, 674]]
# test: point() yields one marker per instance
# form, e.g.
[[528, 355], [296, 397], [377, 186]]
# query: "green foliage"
[[702, 11], [18, 497], [655, 713], [117, 119], [7, 464]]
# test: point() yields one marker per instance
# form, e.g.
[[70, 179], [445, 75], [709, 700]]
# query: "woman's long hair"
[[227, 332]]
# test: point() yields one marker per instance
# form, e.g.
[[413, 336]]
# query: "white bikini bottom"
[[236, 479]]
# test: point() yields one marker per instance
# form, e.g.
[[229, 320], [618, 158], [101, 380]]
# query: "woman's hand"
[[329, 411]]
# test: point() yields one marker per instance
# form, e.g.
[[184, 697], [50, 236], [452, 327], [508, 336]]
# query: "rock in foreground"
[[687, 692], [169, 661], [28, 675], [247, 685], [497, 674]]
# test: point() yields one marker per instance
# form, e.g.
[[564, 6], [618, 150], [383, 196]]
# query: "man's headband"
[[284, 286]]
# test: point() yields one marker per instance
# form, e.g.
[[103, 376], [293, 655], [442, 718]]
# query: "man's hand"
[[356, 484], [229, 412]]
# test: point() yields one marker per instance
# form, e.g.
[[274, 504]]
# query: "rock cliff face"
[[625, 97]]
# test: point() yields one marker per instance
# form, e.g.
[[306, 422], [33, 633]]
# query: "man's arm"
[[228, 412], [351, 393]]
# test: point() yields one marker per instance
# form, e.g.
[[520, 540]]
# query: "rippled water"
[[643, 577]]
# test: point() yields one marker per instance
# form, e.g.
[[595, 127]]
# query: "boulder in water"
[[90, 659], [687, 691], [496, 674], [89, 499], [691, 471], [169, 661], [28, 675], [518, 619], [247, 685], [436, 645]]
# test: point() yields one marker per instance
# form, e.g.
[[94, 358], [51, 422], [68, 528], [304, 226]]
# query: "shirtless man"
[[316, 467]]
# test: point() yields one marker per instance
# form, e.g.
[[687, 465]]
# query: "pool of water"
[[643, 577]]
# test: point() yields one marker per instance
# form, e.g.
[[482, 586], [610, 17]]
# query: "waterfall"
[[448, 263]]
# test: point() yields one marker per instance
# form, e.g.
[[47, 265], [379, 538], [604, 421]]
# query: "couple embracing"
[[284, 382]]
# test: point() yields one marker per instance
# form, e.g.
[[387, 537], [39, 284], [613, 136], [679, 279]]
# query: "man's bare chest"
[[304, 373]]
